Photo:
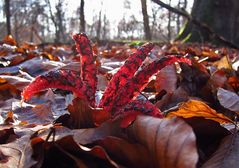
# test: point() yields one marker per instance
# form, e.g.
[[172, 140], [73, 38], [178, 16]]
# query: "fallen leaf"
[[7, 135], [17, 153], [65, 152], [125, 153], [195, 108], [222, 63], [228, 99], [171, 142], [40, 114], [226, 155], [166, 79], [209, 134], [81, 114]]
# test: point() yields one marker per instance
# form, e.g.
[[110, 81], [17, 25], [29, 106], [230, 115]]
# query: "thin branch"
[[197, 23]]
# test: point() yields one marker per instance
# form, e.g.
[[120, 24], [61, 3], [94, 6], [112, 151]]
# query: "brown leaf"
[[17, 153], [166, 79], [218, 79], [171, 142], [228, 99], [209, 134], [7, 135], [125, 153], [222, 63], [195, 108], [226, 155], [65, 152], [16, 81], [80, 114], [40, 114], [9, 40]]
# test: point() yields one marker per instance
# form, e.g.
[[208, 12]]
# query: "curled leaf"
[[195, 108], [171, 142]]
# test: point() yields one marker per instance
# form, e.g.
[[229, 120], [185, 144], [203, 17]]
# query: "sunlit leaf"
[[195, 108]]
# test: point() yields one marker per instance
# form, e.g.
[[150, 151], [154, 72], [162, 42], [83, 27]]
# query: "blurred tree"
[[82, 16], [221, 16], [182, 4], [145, 20], [169, 23], [8, 16], [98, 29], [105, 28], [58, 19]]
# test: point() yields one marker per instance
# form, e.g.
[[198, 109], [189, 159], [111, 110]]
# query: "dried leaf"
[[40, 114], [9, 40], [226, 155], [125, 153], [81, 115], [195, 108], [65, 152], [209, 134], [166, 79], [171, 142], [228, 99], [17, 153], [7, 135]]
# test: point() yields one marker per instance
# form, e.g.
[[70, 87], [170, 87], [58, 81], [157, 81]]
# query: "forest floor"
[[156, 113]]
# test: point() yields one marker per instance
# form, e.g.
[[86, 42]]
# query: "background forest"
[[54, 20]]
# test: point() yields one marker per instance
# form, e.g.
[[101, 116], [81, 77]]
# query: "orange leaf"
[[10, 40], [195, 108]]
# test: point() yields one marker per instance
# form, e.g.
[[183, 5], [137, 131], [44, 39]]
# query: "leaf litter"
[[124, 106]]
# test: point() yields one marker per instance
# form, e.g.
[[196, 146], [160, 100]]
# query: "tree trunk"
[[98, 30], [221, 16], [146, 20], [82, 16], [8, 16], [169, 23]]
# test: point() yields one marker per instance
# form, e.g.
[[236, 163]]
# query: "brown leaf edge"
[[171, 142]]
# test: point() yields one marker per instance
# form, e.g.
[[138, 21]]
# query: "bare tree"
[[180, 20], [105, 28], [8, 16], [98, 30], [82, 16], [59, 20], [169, 23], [146, 20]]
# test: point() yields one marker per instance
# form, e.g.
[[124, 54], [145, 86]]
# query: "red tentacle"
[[61, 79], [88, 66], [125, 73], [140, 80], [135, 108]]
